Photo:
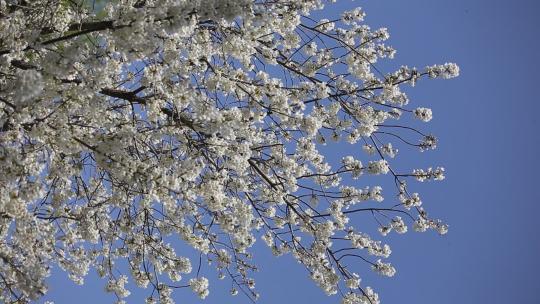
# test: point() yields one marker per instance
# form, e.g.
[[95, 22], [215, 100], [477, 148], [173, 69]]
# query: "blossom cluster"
[[129, 128]]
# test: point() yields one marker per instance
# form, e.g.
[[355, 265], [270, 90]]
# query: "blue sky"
[[487, 123]]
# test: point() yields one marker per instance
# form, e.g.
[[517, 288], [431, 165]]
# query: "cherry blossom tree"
[[129, 126]]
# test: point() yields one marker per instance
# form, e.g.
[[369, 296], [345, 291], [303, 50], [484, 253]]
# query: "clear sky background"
[[487, 123]]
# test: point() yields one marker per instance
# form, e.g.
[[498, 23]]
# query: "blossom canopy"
[[129, 127]]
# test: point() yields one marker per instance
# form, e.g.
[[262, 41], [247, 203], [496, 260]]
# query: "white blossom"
[[424, 114], [200, 287], [117, 286], [446, 71], [384, 269], [378, 167], [353, 282]]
